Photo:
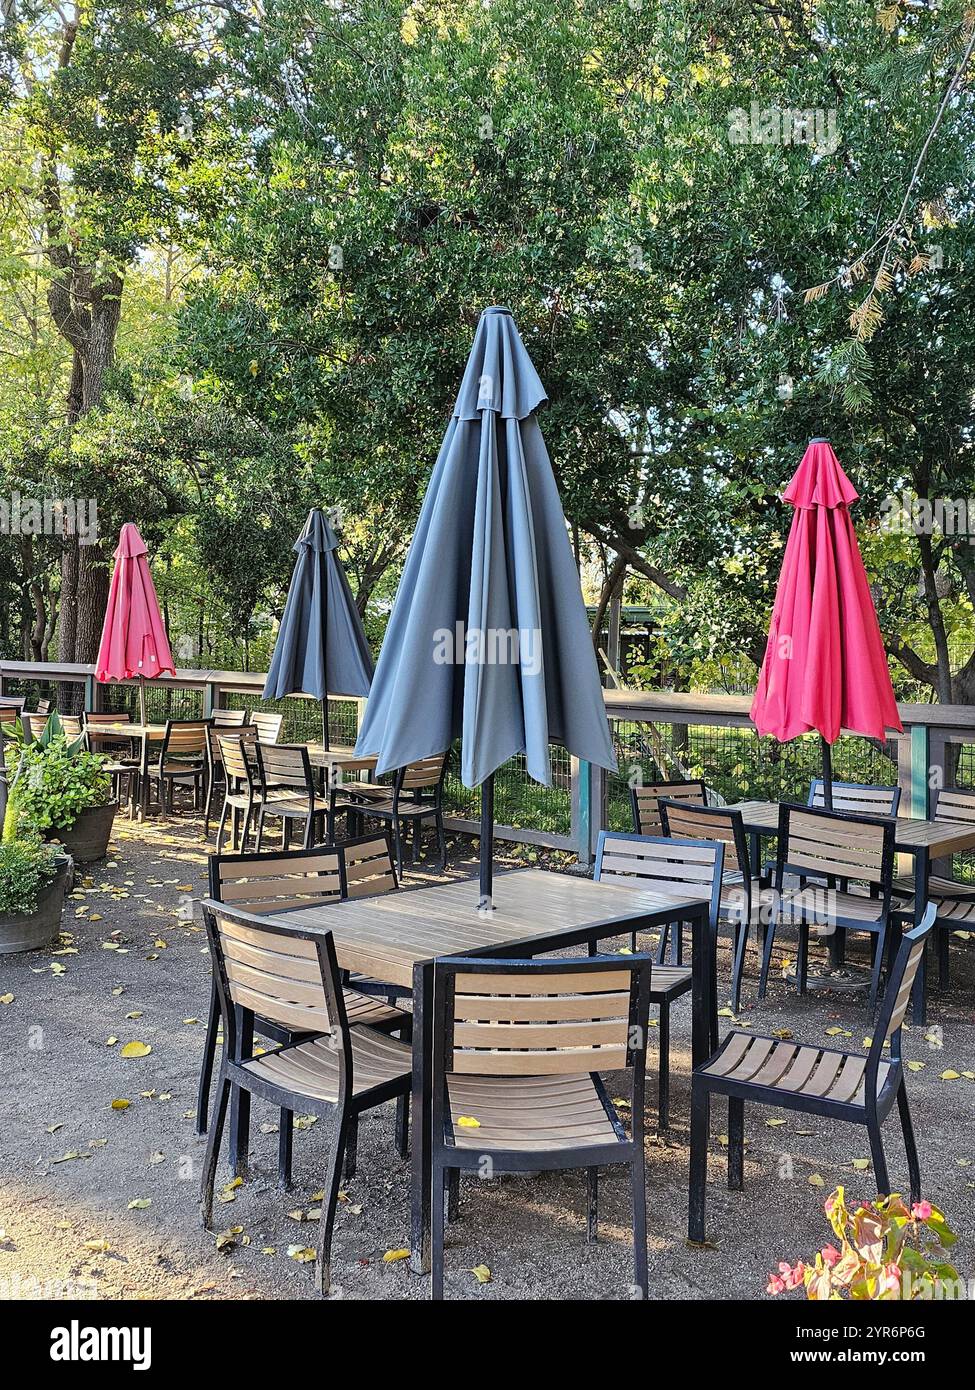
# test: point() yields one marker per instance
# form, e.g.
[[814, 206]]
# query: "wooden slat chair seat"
[[938, 887], [645, 802], [292, 977], [416, 795], [666, 866], [271, 884], [850, 860], [743, 903], [519, 1046], [813, 1080]]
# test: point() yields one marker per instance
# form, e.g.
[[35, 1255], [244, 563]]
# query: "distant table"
[[145, 733], [398, 936], [339, 756], [923, 840]]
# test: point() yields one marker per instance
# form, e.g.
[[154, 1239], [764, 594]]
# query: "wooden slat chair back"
[[834, 845], [741, 896], [856, 798], [658, 862], [275, 973], [269, 883], [537, 1023], [519, 1045], [237, 758], [368, 866], [645, 799], [229, 718], [268, 725], [70, 725], [14, 702], [93, 718], [428, 772], [185, 739], [955, 805], [34, 724], [43, 707], [9, 714], [814, 1079], [284, 765]]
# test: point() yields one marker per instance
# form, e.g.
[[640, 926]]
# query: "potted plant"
[[33, 880], [61, 790]]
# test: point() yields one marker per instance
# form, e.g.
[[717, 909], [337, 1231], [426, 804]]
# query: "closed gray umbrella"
[[488, 639], [321, 647]]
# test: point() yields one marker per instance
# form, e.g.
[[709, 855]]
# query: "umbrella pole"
[[142, 699], [487, 841], [325, 723], [827, 775]]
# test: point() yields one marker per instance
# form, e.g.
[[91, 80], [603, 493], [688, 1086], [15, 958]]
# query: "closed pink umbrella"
[[134, 641], [825, 667]]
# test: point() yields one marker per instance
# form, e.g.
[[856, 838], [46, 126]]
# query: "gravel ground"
[[101, 1202]]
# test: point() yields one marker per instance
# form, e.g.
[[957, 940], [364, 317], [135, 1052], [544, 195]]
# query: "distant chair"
[[953, 898], [741, 890], [43, 707], [416, 795], [859, 798], [229, 718], [520, 1045], [242, 790], [288, 791], [328, 1066], [813, 1080], [182, 758], [673, 868], [35, 724], [13, 702], [267, 724], [645, 802], [216, 774], [121, 753]]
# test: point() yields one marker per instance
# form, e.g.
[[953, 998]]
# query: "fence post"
[[90, 696], [920, 767], [581, 779], [209, 702]]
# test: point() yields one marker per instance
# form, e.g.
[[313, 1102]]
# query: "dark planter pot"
[[29, 931], [88, 838]]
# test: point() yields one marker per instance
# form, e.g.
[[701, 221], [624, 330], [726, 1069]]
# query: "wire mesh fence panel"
[[519, 801], [162, 702], [302, 718]]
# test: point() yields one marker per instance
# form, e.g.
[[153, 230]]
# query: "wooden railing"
[[920, 755]]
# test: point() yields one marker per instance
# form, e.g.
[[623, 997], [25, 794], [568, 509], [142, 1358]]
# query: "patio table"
[[923, 840], [398, 936], [145, 734]]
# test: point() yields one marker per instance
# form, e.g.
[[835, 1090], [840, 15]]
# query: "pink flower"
[[921, 1211], [774, 1285], [830, 1255], [890, 1280], [795, 1276]]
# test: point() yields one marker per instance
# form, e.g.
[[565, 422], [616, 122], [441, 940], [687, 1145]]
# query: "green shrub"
[[51, 785], [26, 867]]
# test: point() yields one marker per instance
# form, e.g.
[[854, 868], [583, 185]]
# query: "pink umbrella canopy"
[[134, 641], [825, 667]]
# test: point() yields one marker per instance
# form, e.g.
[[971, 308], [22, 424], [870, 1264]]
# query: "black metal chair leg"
[[351, 1147], [441, 842], [700, 1130], [323, 1265], [802, 963], [741, 943], [209, 1053], [766, 959], [661, 955], [878, 966], [212, 1152], [913, 1167], [879, 1161], [663, 1062], [286, 1133], [221, 826], [736, 1143], [638, 1184], [398, 845], [437, 1233], [453, 1194], [592, 1205], [403, 1126]]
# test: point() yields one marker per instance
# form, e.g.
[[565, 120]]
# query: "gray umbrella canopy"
[[321, 647], [488, 640]]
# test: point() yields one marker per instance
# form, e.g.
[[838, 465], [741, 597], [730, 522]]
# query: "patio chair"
[[216, 775], [953, 898], [276, 883], [121, 752], [666, 866], [850, 862], [229, 718], [744, 897], [644, 802], [43, 707], [369, 871], [242, 789], [182, 758], [268, 725], [416, 795], [528, 1071], [813, 1080], [337, 1071], [288, 791], [35, 724]]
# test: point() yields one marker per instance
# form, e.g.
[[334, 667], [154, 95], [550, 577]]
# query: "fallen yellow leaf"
[[391, 1256], [816, 1180], [950, 1076], [482, 1274], [136, 1049], [121, 1104], [468, 1122]]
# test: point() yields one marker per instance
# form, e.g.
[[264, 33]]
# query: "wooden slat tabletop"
[[941, 837], [339, 756], [386, 936], [130, 730]]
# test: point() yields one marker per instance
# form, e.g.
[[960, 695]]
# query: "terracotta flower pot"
[[29, 931]]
